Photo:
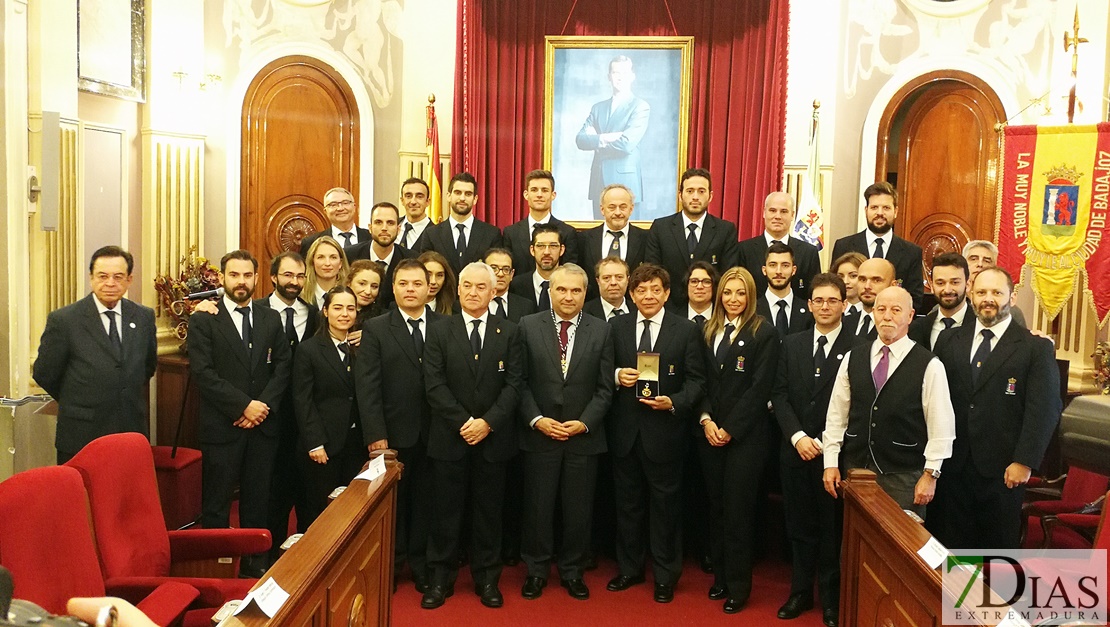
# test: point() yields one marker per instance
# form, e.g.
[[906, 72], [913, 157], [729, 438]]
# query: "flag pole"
[[435, 184]]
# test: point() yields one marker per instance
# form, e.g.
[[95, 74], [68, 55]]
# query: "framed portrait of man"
[[616, 111], [110, 48]]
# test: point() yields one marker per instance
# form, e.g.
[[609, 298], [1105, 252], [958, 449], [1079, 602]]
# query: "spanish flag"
[[1052, 212], [435, 200]]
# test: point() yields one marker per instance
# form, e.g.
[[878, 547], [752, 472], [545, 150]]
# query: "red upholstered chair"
[[1080, 488], [178, 484], [135, 548], [46, 542]]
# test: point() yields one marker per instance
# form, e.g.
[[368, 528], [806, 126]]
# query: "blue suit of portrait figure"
[[613, 132]]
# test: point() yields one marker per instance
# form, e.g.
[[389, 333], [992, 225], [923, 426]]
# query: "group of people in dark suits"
[[504, 408]]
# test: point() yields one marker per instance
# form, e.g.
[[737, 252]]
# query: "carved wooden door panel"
[[947, 160], [300, 138]]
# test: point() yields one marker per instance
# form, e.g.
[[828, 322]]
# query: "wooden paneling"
[[172, 377]]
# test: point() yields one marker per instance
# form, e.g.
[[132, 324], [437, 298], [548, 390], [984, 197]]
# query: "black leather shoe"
[[577, 588], [490, 595], [421, 584], [706, 564], [733, 606], [717, 592], [533, 587], [664, 593], [830, 616], [623, 582], [797, 603], [435, 597]]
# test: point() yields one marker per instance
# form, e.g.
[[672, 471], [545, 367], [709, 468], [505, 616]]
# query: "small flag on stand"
[[810, 222], [435, 185]]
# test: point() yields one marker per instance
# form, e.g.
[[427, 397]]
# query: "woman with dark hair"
[[365, 280], [323, 399], [741, 353], [441, 282]]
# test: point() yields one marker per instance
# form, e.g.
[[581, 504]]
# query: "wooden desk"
[[172, 376], [341, 571]]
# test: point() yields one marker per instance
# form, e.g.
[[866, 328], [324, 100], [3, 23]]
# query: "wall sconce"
[[209, 81]]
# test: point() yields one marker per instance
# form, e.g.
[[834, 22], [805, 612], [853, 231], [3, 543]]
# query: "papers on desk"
[[374, 470], [933, 553], [269, 597]]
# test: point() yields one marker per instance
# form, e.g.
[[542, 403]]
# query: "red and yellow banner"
[[1052, 213], [435, 185]]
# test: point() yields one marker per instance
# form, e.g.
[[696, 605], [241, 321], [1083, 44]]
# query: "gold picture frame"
[[616, 110], [111, 57]]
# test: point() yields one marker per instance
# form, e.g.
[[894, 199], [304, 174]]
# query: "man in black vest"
[[891, 412]]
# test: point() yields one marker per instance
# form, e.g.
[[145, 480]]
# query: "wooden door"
[[300, 138], [940, 148]]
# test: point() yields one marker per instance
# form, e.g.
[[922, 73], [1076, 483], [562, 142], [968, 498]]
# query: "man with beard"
[[615, 237], [414, 198], [384, 217], [982, 254], [240, 360], [949, 285], [778, 220], [878, 241], [612, 280], [777, 303], [677, 241], [547, 251], [874, 276], [339, 205], [539, 192], [461, 238], [1004, 385], [504, 303], [890, 410]]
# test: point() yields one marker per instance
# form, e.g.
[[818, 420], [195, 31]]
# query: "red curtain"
[[737, 108]]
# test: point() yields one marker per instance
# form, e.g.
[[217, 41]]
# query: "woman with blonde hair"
[[441, 282], [741, 352], [325, 267]]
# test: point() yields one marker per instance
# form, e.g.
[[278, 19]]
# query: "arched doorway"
[[938, 145], [300, 137]]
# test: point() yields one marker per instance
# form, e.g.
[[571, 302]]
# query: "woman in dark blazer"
[[324, 401], [366, 279], [741, 352]]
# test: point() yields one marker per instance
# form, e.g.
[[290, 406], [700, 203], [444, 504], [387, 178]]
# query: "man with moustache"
[[949, 286], [461, 238], [504, 303], [692, 235], [777, 302], [807, 367], [547, 251], [240, 360], [611, 274], [649, 434], [567, 387], [384, 217], [539, 192], [878, 241], [472, 375], [615, 237], [393, 406], [415, 199], [339, 205], [890, 411], [1004, 385], [874, 276], [778, 220]]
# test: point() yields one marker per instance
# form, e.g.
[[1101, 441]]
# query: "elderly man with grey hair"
[[982, 254], [616, 236]]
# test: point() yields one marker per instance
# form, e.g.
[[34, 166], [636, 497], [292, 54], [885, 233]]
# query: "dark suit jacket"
[[589, 252], [800, 316], [523, 287], [361, 235], [519, 306], [323, 395], [905, 256], [666, 246], [389, 381], [618, 162], [738, 391], [753, 253], [664, 435], [362, 251], [595, 309], [800, 398], [441, 238], [460, 388], [97, 392], [1009, 415], [518, 239], [310, 325], [922, 328], [584, 394], [229, 377]]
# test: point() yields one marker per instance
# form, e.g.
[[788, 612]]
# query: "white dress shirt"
[[417, 230], [504, 303], [469, 320], [300, 313], [773, 304], [335, 234], [699, 223], [938, 324], [237, 317], [608, 309], [607, 241], [468, 228], [423, 318], [998, 330], [100, 308], [691, 312], [887, 238], [785, 239]]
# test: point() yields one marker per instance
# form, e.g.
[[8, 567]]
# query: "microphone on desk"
[[219, 291]]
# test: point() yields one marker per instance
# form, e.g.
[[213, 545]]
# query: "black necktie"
[[819, 357], [700, 319], [346, 239], [113, 333], [545, 298], [460, 244], [246, 313], [417, 339], [615, 247], [781, 324], [981, 355], [878, 249], [864, 326], [645, 338], [617, 311], [948, 322], [405, 235], [475, 338], [290, 328], [691, 240], [346, 350], [500, 312], [722, 348]]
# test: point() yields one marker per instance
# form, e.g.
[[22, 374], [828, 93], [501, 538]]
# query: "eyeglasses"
[[289, 276], [501, 269], [821, 302], [340, 203], [704, 282], [547, 246]]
